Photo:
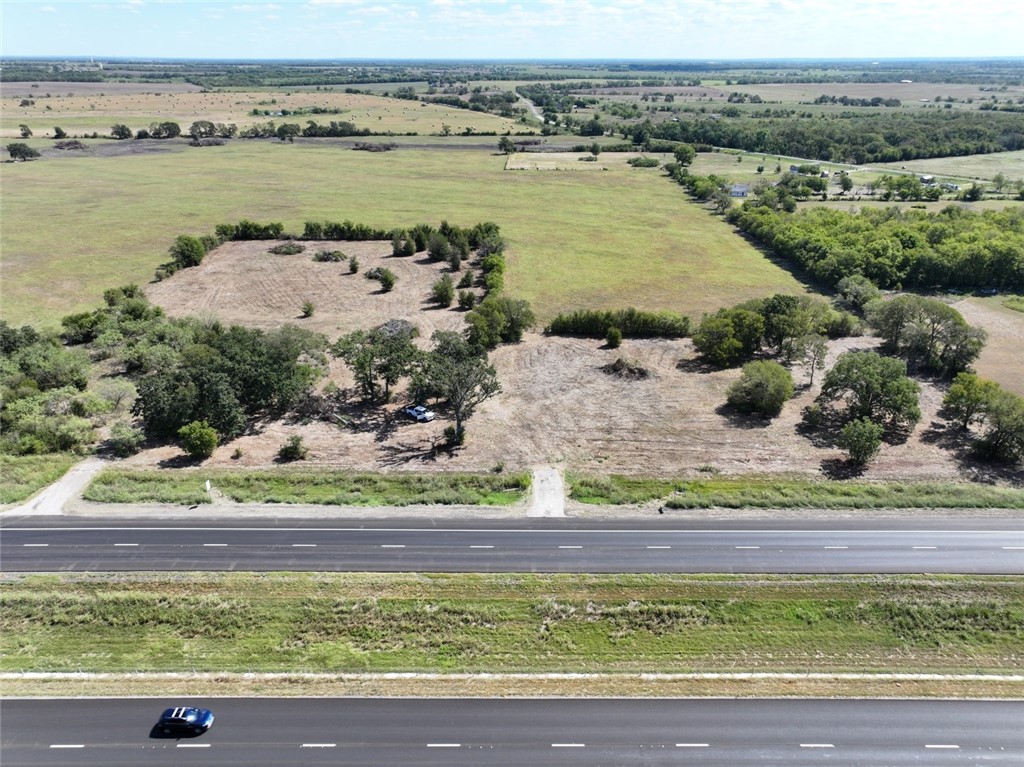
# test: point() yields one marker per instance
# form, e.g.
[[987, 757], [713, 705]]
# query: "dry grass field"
[[1002, 359], [570, 161], [80, 111], [981, 167], [557, 406]]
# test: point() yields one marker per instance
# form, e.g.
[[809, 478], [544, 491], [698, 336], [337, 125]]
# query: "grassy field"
[[797, 493], [598, 240], [22, 475], [322, 487], [88, 112], [974, 166], [510, 622]]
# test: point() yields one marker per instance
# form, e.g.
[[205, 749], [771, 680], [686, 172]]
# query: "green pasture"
[[238, 622], [980, 167], [74, 226]]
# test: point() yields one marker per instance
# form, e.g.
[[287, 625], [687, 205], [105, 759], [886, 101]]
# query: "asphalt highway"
[[549, 732], [38, 544]]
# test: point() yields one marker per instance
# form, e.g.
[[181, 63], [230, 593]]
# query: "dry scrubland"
[[575, 239], [85, 110]]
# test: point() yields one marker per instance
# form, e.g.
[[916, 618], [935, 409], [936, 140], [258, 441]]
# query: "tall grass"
[[23, 475], [792, 493], [326, 487]]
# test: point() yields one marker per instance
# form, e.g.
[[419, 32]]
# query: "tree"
[[443, 291], [684, 154], [812, 349], [187, 251], [377, 357], [198, 439], [499, 319], [763, 388], [506, 145], [861, 439], [21, 152], [613, 337], [26, 132], [846, 182], [120, 131], [998, 180], [166, 129], [461, 377], [125, 439], [58, 133], [968, 398], [857, 291], [873, 387], [729, 335], [202, 129], [288, 132], [1003, 439], [927, 331]]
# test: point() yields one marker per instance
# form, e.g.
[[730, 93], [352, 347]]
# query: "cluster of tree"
[[335, 129], [953, 248], [930, 333], [790, 327], [249, 230], [47, 406], [160, 130], [853, 138], [850, 101], [999, 413], [454, 371], [21, 152], [498, 103], [631, 323], [904, 187]]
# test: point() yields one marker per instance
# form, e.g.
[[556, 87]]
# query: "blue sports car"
[[186, 719]]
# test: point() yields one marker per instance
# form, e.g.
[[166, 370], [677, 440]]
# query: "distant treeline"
[[857, 139], [954, 248]]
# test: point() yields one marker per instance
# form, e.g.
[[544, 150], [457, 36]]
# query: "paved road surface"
[[863, 546], [548, 732]]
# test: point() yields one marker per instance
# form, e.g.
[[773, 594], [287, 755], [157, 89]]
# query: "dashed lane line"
[[392, 545], [693, 745], [318, 745], [942, 745], [215, 544], [925, 547], [481, 547], [193, 745], [67, 745], [817, 745], [568, 745], [570, 547], [31, 545], [444, 745], [304, 545]]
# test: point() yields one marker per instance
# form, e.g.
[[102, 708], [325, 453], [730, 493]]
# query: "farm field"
[[1001, 359], [92, 109], [595, 240], [971, 167]]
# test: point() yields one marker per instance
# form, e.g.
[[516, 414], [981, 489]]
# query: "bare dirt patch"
[[1001, 360]]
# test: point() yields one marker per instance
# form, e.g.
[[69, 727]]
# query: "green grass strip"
[[308, 487], [1014, 302], [766, 492], [509, 623], [23, 475]]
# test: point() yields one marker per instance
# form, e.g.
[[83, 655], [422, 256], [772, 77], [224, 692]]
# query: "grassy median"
[[510, 623]]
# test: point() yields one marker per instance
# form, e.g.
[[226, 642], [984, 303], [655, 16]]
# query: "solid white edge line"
[[444, 745], [568, 745], [817, 745], [942, 745], [67, 745], [692, 745], [318, 745]]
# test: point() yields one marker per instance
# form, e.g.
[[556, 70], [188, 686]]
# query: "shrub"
[[613, 337], [308, 309], [467, 299], [384, 276], [467, 279], [198, 439], [353, 265], [643, 162], [763, 388], [443, 291], [125, 439], [293, 449], [861, 439], [187, 251], [329, 256], [287, 249], [634, 323]]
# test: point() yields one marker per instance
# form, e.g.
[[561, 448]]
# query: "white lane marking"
[[570, 547], [837, 547], [747, 547], [943, 745], [481, 547], [925, 547], [215, 544], [444, 745], [1014, 548], [35, 544], [692, 745], [126, 544], [392, 545], [67, 745], [193, 745], [500, 530], [816, 745], [568, 745], [304, 545], [318, 745], [659, 547]]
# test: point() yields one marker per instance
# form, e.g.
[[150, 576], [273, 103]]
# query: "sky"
[[513, 29]]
